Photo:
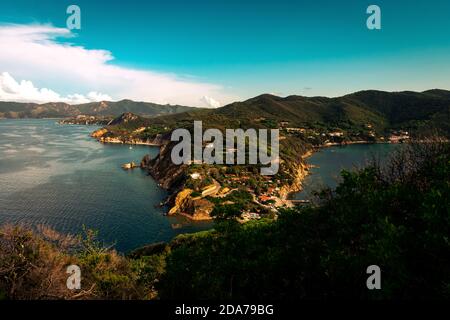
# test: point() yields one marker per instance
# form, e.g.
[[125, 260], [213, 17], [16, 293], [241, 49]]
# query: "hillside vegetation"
[[383, 110], [304, 124], [396, 216], [103, 108]]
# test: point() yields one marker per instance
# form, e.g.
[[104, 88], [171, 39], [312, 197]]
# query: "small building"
[[264, 198], [301, 130], [399, 136], [195, 175], [336, 134], [139, 130]]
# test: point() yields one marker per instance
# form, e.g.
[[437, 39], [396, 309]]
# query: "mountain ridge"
[[101, 108], [383, 110]]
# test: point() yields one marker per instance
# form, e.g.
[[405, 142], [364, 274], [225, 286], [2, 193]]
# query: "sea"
[[327, 164], [58, 176]]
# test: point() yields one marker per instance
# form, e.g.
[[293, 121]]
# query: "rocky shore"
[[181, 200], [301, 170], [172, 178], [103, 135], [86, 120]]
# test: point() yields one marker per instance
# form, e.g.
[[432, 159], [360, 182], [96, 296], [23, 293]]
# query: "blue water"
[[328, 163], [56, 175]]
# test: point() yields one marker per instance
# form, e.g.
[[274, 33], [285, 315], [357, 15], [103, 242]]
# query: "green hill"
[[418, 111], [103, 108], [383, 110]]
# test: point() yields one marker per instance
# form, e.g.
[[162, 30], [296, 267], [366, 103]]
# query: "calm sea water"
[[56, 175], [329, 162]]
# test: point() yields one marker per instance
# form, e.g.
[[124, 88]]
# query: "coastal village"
[[239, 191]]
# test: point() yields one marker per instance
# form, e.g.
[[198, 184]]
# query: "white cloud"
[[35, 53], [25, 91], [210, 102]]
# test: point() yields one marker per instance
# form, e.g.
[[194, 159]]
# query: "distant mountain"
[[103, 108], [383, 110], [419, 111]]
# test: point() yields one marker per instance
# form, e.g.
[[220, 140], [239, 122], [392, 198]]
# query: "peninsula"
[[203, 191]]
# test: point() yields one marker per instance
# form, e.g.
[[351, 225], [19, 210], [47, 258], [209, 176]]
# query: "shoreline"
[[297, 186], [309, 153], [287, 192], [143, 143]]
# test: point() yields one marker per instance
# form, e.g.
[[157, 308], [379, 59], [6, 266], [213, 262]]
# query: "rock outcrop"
[[300, 172], [163, 170], [194, 209], [130, 165], [99, 133], [181, 201], [104, 136], [199, 209]]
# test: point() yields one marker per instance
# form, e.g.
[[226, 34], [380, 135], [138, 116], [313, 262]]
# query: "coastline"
[[99, 135], [300, 169], [340, 144], [303, 171], [110, 141], [297, 186]]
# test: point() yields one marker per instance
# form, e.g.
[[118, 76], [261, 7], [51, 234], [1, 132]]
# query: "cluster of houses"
[[399, 136], [310, 131], [246, 216], [269, 196]]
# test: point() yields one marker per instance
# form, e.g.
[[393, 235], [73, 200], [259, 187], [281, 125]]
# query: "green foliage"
[[396, 216], [33, 266], [232, 205], [227, 211], [60, 110]]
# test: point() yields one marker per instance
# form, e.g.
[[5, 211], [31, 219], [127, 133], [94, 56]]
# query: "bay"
[[58, 176], [327, 164]]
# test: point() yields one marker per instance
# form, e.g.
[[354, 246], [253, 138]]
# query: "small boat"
[[128, 166], [131, 148]]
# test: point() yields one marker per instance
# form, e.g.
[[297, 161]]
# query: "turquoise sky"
[[251, 47]]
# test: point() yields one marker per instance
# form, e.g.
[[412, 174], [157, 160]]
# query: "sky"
[[209, 53]]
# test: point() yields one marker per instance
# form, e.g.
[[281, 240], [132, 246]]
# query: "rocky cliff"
[[172, 177], [169, 176], [103, 135], [181, 202], [193, 208], [299, 172]]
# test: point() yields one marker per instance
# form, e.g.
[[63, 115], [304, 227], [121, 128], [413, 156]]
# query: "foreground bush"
[[33, 265], [396, 216]]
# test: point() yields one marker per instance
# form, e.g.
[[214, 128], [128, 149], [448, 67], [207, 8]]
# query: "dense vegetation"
[[415, 111], [395, 215]]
